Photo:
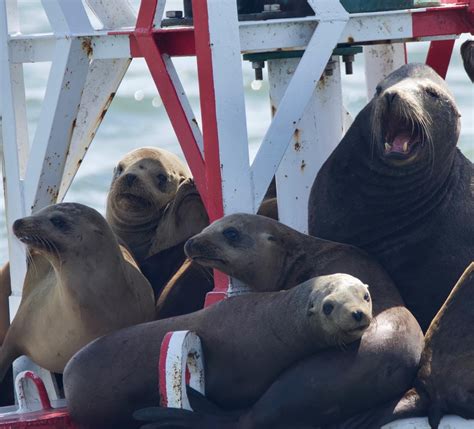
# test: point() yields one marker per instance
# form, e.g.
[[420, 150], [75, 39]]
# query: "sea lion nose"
[[130, 179], [17, 225], [357, 315], [390, 97]]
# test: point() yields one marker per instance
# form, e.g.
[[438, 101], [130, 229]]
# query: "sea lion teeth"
[[388, 147], [405, 147]]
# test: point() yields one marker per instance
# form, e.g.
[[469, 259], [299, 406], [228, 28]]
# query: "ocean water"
[[137, 118]]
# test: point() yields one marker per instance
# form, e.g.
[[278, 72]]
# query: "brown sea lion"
[[259, 252], [398, 187], [467, 54], [247, 340], [80, 285], [154, 207]]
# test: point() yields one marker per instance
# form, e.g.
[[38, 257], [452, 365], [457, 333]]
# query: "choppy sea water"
[[137, 117]]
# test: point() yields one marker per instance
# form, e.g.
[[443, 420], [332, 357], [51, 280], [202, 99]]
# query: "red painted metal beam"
[[439, 56], [145, 41], [442, 21], [210, 132]]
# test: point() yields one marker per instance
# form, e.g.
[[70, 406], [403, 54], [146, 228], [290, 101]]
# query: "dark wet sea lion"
[[467, 54], [446, 375], [445, 381], [398, 187], [333, 384], [5, 292], [184, 290], [247, 340], [80, 285]]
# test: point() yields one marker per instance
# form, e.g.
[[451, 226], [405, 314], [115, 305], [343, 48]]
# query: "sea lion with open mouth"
[[398, 187], [80, 285]]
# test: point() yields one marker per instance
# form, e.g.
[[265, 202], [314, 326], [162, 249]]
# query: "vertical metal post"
[[223, 115], [380, 61], [317, 133]]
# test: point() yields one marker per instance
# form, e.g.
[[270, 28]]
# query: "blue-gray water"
[[137, 118]]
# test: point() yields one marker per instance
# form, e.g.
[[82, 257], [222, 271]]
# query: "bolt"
[[348, 60], [174, 14], [273, 7], [258, 66]]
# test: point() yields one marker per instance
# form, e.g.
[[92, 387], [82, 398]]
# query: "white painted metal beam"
[[230, 107], [15, 144], [56, 124], [380, 61], [103, 80], [298, 94], [317, 133]]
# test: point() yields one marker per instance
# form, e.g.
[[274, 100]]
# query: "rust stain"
[[303, 165], [296, 136], [87, 46], [273, 110], [350, 39]]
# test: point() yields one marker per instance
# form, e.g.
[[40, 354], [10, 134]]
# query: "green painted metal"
[[279, 55], [361, 6]]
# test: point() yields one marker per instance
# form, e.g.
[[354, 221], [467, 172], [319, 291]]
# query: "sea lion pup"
[[247, 341], [467, 54], [80, 286], [398, 187]]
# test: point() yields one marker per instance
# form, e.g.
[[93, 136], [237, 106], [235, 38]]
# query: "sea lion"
[[154, 207], [5, 292], [144, 183], [80, 285], [259, 252], [445, 381], [467, 54], [446, 375], [247, 341], [397, 187]]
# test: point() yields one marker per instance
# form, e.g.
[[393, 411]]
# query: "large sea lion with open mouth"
[[268, 256], [247, 341], [398, 187], [154, 207], [80, 285]]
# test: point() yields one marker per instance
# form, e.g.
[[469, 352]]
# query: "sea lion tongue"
[[400, 142]]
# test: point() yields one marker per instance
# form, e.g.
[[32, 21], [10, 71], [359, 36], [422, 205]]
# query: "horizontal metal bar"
[[257, 36]]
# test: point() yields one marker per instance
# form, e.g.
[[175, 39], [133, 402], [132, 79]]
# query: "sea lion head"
[[251, 248], [62, 230], [341, 305], [414, 118], [144, 182]]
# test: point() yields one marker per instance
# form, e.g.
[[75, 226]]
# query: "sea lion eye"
[[231, 234], [118, 170], [328, 308], [58, 222], [367, 297], [162, 179], [432, 93], [378, 89]]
